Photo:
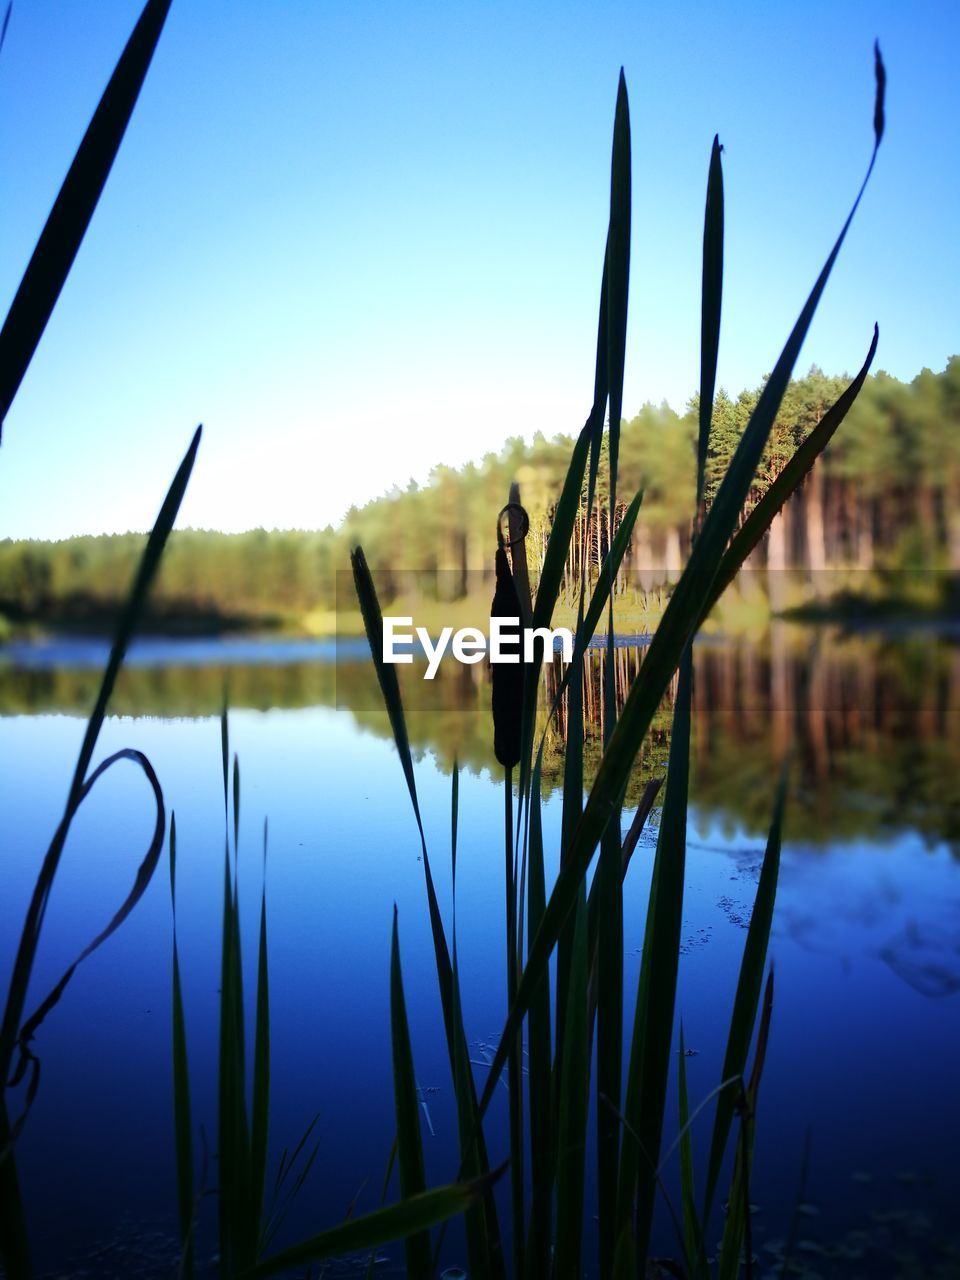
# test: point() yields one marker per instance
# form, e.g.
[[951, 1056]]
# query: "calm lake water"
[[866, 1028]]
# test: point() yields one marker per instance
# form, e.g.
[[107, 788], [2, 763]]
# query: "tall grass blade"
[[225, 758], [261, 1065], [73, 208], [484, 1249], [514, 1062], [14, 1242], [452, 1014], [737, 1235], [182, 1115], [227, 1089], [680, 620], [454, 824], [711, 298], [606, 968], [574, 1087], [539, 1051], [413, 1178], [236, 809], [650, 792], [618, 275], [567, 511], [238, 1234], [472, 1159], [625, 1259], [692, 1236], [656, 993], [747, 998], [551, 577], [610, 961]]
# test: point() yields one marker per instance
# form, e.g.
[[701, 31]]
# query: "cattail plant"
[[580, 923]]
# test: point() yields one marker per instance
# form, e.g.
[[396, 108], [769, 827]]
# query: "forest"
[[880, 516]]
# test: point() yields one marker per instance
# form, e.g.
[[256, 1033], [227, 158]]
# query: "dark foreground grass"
[[580, 924], [563, 1023]]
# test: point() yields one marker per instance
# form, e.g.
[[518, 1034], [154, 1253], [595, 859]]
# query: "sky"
[[356, 240]]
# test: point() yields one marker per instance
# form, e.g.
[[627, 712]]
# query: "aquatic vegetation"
[[561, 1015], [579, 926]]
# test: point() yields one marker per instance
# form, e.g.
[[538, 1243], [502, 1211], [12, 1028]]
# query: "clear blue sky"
[[358, 239]]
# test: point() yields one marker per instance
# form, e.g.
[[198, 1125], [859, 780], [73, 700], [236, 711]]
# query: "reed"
[[564, 1024], [579, 923], [249, 1219]]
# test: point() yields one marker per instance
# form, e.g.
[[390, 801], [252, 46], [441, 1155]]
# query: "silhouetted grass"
[[584, 932], [580, 924]]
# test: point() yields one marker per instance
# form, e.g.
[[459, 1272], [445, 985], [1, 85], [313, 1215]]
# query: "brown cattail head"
[[507, 678]]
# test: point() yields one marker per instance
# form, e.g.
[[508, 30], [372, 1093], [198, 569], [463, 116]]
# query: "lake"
[[862, 1066]]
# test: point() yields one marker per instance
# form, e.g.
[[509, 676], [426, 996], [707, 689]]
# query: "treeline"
[[885, 497]]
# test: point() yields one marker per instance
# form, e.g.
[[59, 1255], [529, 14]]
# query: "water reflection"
[[866, 931], [874, 722]]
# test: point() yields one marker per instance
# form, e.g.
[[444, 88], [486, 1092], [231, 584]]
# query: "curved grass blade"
[[711, 298], [413, 1178], [787, 482], [143, 877], [182, 1118], [386, 675], [679, 623], [397, 1222], [73, 208], [747, 997], [30, 937]]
